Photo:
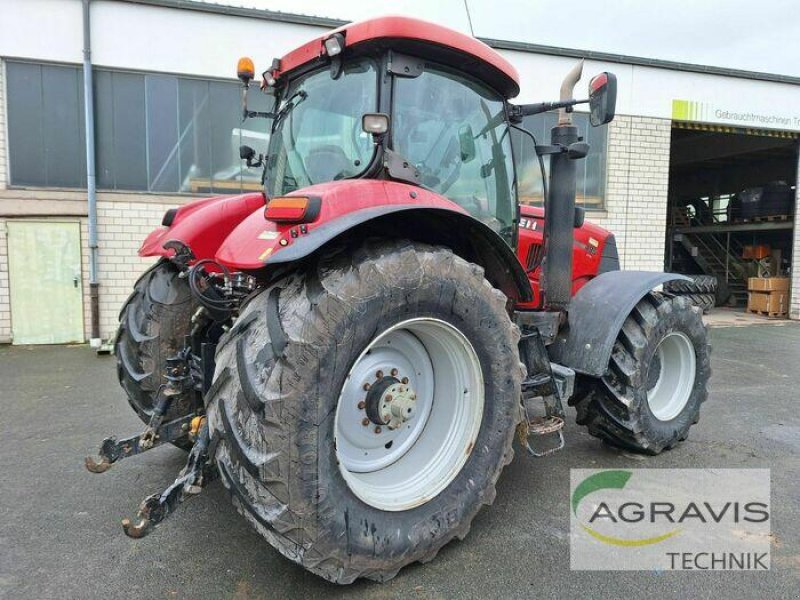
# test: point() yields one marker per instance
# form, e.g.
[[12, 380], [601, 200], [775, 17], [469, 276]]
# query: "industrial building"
[[670, 176]]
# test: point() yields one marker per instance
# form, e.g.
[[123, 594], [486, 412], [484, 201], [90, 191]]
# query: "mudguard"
[[371, 208], [202, 224], [596, 315]]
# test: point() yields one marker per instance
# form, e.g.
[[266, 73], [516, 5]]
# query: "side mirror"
[[466, 142], [246, 153], [602, 98]]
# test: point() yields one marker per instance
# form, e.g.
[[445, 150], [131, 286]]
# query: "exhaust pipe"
[[559, 215]]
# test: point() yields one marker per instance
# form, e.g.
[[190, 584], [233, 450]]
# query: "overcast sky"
[[755, 35]]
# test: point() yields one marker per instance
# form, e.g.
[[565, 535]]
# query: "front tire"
[[657, 378], [346, 499]]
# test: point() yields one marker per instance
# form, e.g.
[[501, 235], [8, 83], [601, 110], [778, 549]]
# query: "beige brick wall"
[[636, 190], [5, 300], [121, 227], [794, 307]]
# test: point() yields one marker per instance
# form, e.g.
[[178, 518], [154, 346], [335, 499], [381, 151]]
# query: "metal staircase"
[[719, 258]]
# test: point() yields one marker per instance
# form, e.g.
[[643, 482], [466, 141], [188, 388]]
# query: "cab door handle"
[[75, 282]]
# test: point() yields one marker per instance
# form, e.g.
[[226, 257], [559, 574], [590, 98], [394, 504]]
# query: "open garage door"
[[731, 204]]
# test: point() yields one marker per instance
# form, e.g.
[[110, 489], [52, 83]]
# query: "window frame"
[[82, 149]]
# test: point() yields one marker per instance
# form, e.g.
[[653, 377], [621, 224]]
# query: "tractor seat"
[[324, 163]]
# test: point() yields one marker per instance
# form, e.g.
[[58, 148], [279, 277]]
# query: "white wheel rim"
[[398, 469], [670, 393]]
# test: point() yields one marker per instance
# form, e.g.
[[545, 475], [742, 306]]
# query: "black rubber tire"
[[273, 404], [614, 408], [699, 284], [705, 301], [152, 325]]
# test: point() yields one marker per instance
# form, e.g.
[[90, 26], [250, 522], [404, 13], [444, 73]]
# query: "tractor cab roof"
[[415, 37]]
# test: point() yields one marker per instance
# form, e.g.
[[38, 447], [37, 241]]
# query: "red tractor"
[[353, 349]]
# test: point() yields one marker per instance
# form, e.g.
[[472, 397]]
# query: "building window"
[[153, 132], [591, 170], [45, 125]]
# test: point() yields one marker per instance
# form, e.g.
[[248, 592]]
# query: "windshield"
[[317, 135], [453, 130]]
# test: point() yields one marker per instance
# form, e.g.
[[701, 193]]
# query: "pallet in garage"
[[769, 219], [768, 296]]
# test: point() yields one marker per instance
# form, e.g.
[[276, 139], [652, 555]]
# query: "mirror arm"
[[518, 111], [256, 114]]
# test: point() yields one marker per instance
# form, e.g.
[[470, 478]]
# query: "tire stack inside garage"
[[700, 289]]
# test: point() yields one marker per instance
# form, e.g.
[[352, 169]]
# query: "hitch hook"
[[190, 481]]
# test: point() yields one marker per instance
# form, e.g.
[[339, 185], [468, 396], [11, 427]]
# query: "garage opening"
[[731, 206]]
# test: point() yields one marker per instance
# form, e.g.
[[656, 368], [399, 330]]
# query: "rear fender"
[[596, 315], [202, 225], [354, 210]]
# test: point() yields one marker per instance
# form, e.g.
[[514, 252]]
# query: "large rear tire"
[[329, 488], [152, 326], [657, 379]]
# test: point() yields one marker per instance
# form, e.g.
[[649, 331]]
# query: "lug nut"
[[365, 421], [404, 380], [362, 405], [379, 374], [377, 429], [366, 387], [389, 397], [394, 372]]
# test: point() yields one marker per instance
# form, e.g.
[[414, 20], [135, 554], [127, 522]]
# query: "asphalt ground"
[[61, 538]]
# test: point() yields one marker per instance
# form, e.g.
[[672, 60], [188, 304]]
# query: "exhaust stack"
[[559, 215]]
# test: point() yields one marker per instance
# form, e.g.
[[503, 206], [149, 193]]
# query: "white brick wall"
[[5, 299], [636, 190]]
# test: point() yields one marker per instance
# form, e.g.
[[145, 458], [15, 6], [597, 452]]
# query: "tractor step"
[[535, 430]]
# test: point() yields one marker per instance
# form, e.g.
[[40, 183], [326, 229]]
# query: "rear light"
[[293, 209]]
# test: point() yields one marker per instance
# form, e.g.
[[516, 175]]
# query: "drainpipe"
[[88, 103]]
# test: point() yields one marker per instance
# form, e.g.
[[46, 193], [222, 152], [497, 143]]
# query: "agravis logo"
[[707, 519], [603, 481]]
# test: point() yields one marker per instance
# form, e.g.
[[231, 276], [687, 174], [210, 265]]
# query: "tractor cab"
[[361, 103]]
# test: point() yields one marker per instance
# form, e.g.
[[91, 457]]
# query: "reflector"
[[292, 209]]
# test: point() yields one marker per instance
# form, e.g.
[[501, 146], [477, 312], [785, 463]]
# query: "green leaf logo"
[[606, 480]]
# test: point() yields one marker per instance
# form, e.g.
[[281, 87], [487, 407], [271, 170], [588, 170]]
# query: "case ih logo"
[[670, 519]]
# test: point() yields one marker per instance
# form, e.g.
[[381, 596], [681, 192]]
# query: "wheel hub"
[[397, 405]]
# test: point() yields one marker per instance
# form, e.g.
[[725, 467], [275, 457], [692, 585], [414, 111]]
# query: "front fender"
[[596, 315]]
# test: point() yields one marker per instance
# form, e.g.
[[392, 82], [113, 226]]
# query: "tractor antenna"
[[469, 18]]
